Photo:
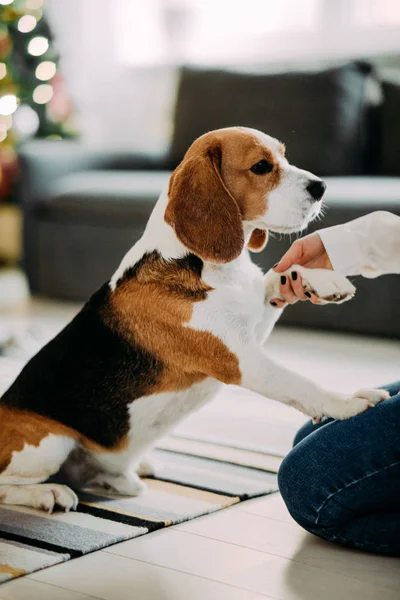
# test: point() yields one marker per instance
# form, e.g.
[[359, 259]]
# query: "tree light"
[[5, 2], [8, 104], [38, 46], [26, 23], [43, 93], [26, 120], [45, 70]]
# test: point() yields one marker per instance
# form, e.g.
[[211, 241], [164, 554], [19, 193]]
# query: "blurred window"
[[158, 32], [375, 13]]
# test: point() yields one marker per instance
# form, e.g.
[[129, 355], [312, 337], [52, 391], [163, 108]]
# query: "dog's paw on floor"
[[44, 496]]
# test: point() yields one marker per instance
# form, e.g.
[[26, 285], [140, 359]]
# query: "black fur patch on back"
[[86, 376]]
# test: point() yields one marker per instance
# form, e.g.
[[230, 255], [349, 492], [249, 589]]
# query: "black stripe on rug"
[[35, 543], [110, 515]]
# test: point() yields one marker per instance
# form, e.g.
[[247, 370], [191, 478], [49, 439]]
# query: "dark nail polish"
[[294, 275], [283, 279], [275, 265], [307, 294], [273, 304]]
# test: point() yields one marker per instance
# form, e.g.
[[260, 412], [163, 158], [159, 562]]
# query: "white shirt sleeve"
[[368, 246]]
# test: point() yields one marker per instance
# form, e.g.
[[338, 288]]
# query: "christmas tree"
[[33, 100]]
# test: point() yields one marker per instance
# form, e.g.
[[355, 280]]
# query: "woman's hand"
[[308, 252]]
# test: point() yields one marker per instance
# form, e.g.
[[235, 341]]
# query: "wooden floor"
[[253, 550]]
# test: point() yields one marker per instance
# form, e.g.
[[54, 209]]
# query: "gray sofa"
[[83, 210]]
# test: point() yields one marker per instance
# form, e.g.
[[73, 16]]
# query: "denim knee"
[[297, 490], [303, 432]]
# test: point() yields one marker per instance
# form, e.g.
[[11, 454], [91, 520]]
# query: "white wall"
[[117, 107]]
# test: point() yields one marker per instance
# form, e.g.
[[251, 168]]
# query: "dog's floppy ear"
[[258, 240], [205, 216]]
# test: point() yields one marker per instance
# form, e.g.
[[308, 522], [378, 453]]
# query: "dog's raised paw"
[[330, 287]]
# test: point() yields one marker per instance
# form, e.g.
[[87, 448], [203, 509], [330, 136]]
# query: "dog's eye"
[[262, 167]]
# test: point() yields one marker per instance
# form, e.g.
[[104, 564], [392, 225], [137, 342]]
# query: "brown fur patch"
[[20, 427], [152, 306], [258, 240], [242, 150]]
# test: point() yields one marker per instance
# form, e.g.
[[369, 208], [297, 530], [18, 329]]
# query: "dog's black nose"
[[317, 189]]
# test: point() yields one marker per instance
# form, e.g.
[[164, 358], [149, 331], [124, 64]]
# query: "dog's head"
[[232, 177]]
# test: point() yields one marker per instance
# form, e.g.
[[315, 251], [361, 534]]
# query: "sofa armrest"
[[44, 161]]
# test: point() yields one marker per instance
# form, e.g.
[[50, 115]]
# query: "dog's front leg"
[[260, 374], [271, 313]]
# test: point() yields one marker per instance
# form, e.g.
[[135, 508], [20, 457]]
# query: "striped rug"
[[196, 478]]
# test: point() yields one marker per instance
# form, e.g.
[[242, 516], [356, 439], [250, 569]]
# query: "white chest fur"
[[236, 305], [152, 416]]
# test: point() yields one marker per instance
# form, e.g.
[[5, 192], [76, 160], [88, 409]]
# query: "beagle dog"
[[186, 312]]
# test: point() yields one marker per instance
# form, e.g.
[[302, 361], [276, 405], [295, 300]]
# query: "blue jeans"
[[341, 480]]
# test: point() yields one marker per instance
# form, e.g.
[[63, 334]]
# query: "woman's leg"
[[341, 481], [308, 428]]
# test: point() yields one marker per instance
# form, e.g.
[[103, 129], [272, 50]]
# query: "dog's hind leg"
[[115, 473], [29, 454]]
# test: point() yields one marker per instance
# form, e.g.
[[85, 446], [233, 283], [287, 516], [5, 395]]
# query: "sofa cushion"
[[390, 128], [320, 116], [44, 161], [104, 196]]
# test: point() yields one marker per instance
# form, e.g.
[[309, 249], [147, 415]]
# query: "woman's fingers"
[[286, 290], [291, 290], [278, 303], [297, 286]]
